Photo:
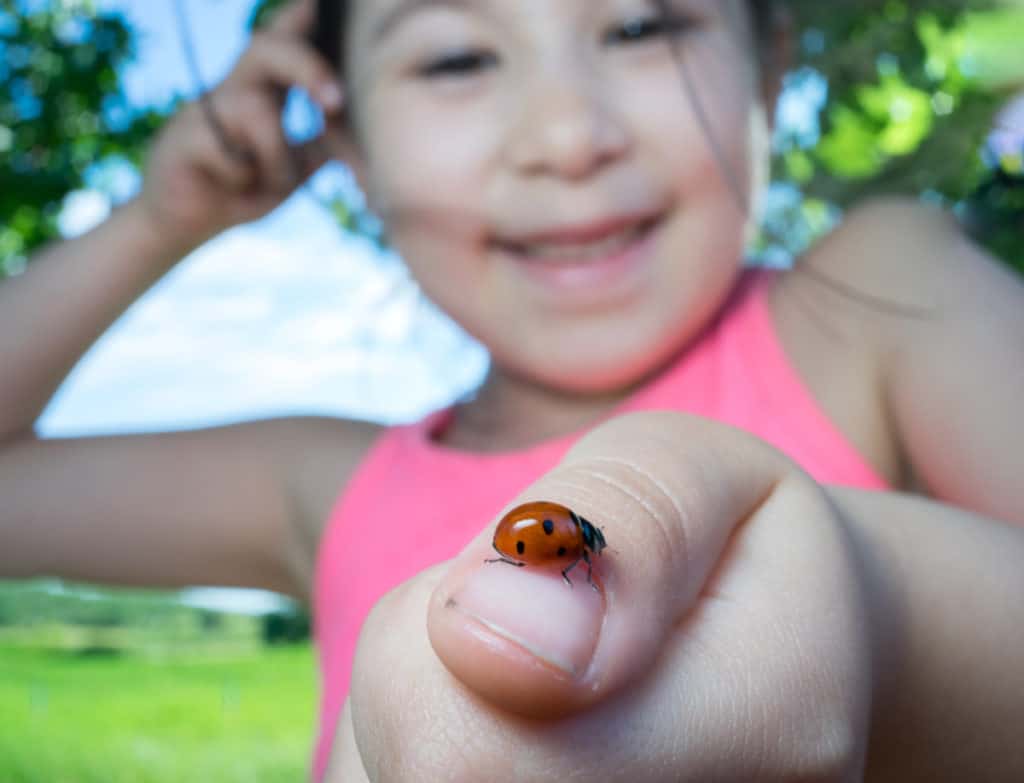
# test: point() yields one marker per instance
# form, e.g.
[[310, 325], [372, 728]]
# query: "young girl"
[[554, 186]]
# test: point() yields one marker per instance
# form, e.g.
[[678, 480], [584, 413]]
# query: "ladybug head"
[[593, 538]]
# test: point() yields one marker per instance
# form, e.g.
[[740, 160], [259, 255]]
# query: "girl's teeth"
[[584, 251]]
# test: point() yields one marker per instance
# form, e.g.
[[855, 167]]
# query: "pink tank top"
[[395, 516]]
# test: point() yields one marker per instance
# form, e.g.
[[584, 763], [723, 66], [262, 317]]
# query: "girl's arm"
[[68, 297], [216, 506]]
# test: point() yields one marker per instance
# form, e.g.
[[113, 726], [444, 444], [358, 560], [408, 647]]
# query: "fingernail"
[[330, 95], [536, 610]]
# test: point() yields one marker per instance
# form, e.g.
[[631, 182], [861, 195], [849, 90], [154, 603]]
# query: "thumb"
[[668, 491]]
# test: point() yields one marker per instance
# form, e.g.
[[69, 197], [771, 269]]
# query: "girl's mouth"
[[583, 244], [569, 250], [589, 264]]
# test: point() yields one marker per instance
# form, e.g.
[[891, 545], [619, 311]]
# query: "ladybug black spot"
[[561, 551], [549, 526], [520, 547]]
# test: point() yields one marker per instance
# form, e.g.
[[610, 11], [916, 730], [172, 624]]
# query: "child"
[[554, 188]]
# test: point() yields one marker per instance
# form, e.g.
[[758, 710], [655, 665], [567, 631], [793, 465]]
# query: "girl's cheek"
[[426, 149]]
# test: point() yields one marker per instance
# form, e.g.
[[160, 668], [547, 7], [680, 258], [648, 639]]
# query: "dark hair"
[[765, 14], [332, 18], [329, 31]]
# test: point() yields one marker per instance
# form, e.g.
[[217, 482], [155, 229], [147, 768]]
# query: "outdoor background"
[[307, 312]]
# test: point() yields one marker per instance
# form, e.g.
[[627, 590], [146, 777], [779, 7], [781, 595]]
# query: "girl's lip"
[[592, 279], [582, 233]]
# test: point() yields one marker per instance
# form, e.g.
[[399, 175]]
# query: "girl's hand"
[[201, 179], [730, 639]]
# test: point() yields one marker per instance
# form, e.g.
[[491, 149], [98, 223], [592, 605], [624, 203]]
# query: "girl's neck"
[[511, 412]]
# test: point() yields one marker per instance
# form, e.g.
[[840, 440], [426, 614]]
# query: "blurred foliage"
[[904, 112], [43, 605], [912, 87], [62, 110], [287, 627], [60, 615]]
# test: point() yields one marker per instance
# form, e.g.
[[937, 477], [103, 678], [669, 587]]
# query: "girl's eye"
[[647, 28], [461, 64]]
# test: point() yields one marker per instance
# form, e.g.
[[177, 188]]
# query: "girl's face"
[[542, 170]]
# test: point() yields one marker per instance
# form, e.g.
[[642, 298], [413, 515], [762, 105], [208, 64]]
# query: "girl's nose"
[[566, 128]]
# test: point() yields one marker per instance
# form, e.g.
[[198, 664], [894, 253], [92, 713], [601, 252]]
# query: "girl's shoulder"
[[890, 261], [860, 255], [893, 271], [896, 320]]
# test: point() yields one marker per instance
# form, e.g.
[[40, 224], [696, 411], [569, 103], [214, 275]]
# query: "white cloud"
[[282, 316], [82, 211]]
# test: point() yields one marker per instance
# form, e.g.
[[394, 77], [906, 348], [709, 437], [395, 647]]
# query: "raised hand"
[[224, 159]]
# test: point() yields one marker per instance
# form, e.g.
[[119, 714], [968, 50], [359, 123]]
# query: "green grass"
[[68, 717]]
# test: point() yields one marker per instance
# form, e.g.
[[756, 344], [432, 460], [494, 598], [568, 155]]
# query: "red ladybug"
[[547, 534]]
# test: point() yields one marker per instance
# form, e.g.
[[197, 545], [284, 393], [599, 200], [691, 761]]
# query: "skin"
[[932, 402]]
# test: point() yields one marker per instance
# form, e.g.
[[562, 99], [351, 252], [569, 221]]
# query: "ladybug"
[[545, 534]]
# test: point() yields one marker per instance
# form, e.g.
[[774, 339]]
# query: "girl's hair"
[[332, 18], [764, 14]]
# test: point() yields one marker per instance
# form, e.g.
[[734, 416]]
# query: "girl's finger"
[[284, 61], [259, 126], [230, 167], [295, 18], [668, 491]]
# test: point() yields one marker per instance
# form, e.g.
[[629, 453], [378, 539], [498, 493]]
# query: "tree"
[[913, 88], [61, 113]]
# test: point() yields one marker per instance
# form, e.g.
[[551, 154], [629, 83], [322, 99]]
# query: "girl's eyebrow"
[[405, 8]]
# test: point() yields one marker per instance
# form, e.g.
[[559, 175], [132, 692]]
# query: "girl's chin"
[[595, 369]]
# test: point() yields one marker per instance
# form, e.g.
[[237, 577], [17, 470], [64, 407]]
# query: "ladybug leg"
[[501, 558], [565, 573], [505, 560], [590, 570]]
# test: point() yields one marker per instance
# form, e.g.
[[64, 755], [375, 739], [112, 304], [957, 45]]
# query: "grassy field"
[[99, 716]]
